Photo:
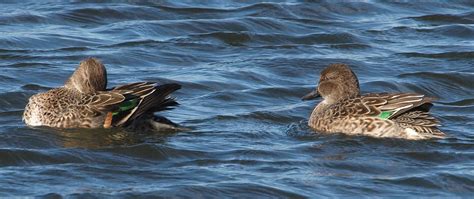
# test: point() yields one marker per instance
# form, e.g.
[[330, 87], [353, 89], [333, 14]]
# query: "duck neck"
[[329, 101], [322, 106]]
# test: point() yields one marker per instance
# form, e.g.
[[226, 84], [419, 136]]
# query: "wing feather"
[[152, 97], [106, 101], [375, 103], [397, 103]]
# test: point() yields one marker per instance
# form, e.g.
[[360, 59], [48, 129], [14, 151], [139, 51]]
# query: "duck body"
[[375, 115], [62, 108], [84, 102], [383, 115]]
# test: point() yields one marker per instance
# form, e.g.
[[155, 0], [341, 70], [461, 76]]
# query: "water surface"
[[243, 67]]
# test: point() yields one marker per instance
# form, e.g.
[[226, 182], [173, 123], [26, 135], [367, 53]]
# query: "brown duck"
[[391, 115], [84, 102]]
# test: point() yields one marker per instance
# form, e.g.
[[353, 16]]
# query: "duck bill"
[[313, 95]]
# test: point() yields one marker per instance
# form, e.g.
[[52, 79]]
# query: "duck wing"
[[392, 105], [141, 98], [383, 105], [106, 101], [127, 102]]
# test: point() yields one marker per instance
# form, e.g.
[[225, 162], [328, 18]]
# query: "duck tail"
[[158, 100], [422, 123], [144, 98]]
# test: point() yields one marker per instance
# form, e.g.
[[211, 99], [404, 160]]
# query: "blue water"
[[243, 67]]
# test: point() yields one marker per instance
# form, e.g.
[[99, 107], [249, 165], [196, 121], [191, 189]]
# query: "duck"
[[345, 110], [85, 102]]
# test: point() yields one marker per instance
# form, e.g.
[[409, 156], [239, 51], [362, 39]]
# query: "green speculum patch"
[[125, 106], [385, 114]]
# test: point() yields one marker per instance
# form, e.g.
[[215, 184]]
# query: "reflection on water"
[[96, 138], [107, 138]]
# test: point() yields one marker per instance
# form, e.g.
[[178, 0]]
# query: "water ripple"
[[243, 67]]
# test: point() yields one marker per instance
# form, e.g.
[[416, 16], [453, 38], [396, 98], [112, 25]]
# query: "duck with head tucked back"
[[383, 115], [84, 102]]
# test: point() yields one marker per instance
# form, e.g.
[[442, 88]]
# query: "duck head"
[[336, 82], [90, 76]]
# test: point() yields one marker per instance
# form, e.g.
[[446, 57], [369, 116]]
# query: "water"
[[243, 67]]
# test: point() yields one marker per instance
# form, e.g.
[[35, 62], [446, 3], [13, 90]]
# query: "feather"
[[150, 98]]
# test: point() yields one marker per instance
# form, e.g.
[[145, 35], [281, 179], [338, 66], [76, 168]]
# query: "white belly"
[[412, 134], [33, 118]]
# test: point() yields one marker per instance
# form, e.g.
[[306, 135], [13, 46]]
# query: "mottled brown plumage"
[[84, 102], [344, 110]]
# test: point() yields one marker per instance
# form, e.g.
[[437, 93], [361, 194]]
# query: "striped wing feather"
[[410, 110], [106, 101], [397, 103], [374, 104], [138, 98], [152, 97], [136, 89], [420, 121], [156, 99]]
